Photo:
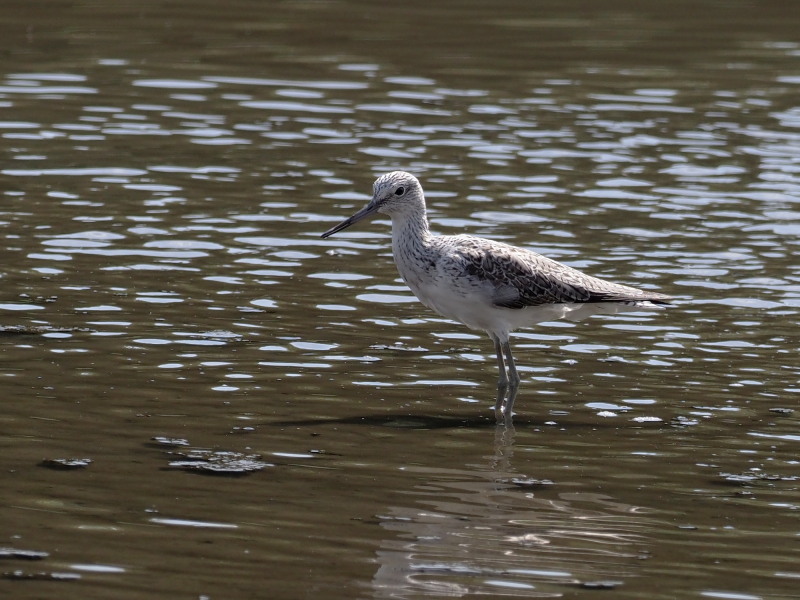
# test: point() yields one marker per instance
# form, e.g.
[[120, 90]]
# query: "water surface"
[[168, 308]]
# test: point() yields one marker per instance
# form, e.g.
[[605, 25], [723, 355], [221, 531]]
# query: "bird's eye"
[[400, 191]]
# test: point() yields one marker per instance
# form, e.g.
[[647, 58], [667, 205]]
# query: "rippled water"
[[168, 308]]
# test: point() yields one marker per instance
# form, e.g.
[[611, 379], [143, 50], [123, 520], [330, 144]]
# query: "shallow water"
[[168, 309]]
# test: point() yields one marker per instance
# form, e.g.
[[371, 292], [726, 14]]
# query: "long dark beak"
[[365, 212]]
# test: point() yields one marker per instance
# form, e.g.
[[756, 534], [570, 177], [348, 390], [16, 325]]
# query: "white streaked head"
[[392, 193], [397, 191]]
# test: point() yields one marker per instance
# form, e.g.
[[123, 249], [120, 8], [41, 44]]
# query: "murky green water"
[[168, 309]]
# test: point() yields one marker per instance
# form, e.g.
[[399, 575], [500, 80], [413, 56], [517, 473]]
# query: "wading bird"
[[486, 285]]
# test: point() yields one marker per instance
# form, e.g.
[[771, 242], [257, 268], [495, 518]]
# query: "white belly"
[[472, 305]]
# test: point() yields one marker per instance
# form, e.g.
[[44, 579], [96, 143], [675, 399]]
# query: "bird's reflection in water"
[[488, 529]]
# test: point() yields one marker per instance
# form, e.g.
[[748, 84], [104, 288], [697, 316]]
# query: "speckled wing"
[[522, 278]]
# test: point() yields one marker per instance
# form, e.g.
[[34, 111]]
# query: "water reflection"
[[488, 529]]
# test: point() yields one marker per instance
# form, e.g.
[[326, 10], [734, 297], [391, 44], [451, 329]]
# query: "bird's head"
[[392, 193]]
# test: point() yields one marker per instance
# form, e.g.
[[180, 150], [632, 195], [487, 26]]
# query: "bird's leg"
[[501, 365], [513, 383], [512, 368], [502, 383]]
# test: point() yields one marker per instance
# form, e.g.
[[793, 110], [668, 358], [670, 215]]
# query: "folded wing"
[[520, 278]]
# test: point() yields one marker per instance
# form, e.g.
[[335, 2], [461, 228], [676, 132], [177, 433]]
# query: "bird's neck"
[[410, 232]]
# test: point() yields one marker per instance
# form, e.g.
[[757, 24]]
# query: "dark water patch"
[[17, 554], [217, 462], [206, 461], [26, 330], [529, 483], [399, 421], [20, 575], [755, 476], [161, 440], [66, 464]]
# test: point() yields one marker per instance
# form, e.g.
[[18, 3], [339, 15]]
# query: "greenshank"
[[487, 285]]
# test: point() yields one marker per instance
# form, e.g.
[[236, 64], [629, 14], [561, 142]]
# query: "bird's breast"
[[445, 287]]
